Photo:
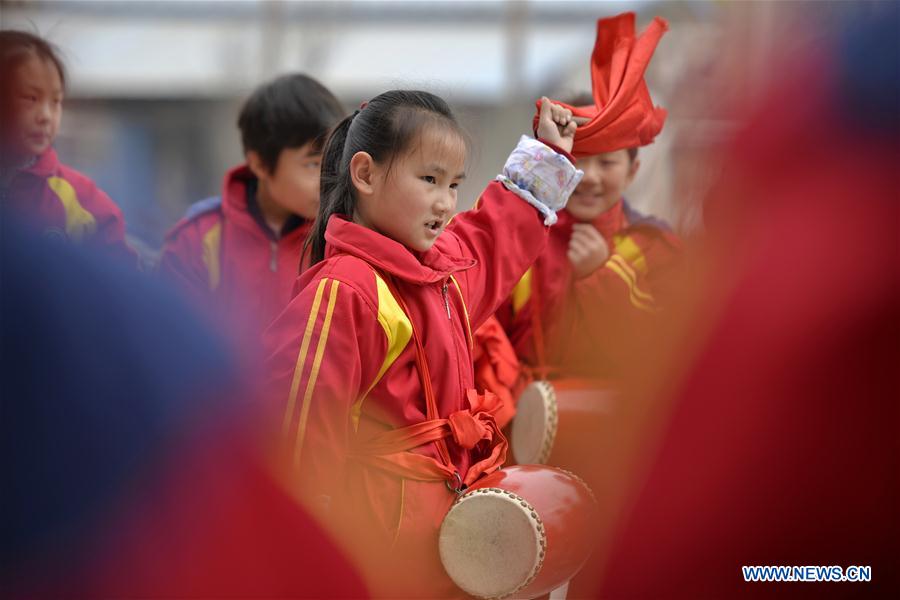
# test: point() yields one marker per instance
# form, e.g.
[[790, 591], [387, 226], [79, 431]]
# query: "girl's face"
[[413, 200], [37, 94]]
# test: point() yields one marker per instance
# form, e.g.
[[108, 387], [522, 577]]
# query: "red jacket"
[[588, 327], [344, 366], [62, 201], [233, 267]]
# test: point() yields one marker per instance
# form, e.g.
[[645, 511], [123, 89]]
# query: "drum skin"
[[557, 422], [562, 510]]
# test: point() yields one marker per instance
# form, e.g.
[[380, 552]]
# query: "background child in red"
[[34, 185], [372, 360], [586, 306], [239, 254], [583, 307]]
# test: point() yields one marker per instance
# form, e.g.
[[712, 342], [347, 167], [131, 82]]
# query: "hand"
[[588, 250], [556, 125]]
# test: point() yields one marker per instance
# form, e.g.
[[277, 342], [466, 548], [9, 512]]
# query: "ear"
[[632, 170], [362, 172], [256, 164]]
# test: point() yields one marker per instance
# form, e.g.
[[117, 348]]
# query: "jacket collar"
[[390, 256], [611, 220], [235, 209], [234, 195], [46, 165], [608, 223]]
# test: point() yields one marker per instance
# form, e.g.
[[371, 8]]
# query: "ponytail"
[[385, 127], [335, 188]]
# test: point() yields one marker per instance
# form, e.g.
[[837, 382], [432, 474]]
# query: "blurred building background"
[[155, 86]]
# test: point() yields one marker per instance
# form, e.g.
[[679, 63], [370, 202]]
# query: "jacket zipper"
[[273, 260], [446, 298]]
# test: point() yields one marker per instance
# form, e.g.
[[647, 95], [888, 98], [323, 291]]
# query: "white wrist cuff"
[[540, 176]]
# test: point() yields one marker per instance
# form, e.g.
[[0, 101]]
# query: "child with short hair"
[[585, 308], [586, 304], [238, 254], [34, 185], [372, 360]]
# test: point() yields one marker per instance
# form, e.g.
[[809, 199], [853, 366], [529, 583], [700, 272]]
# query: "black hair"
[[287, 112], [16, 47], [385, 129], [586, 99]]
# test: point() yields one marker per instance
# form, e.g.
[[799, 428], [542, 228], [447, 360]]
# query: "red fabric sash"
[[390, 450], [497, 368]]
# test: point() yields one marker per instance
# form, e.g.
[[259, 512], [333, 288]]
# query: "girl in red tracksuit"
[[372, 360], [34, 186]]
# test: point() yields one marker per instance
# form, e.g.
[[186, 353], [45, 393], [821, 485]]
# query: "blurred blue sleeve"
[[102, 369]]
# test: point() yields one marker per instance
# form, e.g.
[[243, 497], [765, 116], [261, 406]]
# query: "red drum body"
[[556, 422], [521, 531]]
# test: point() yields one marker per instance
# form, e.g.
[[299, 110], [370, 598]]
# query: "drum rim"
[[534, 519], [580, 480], [548, 394], [553, 419]]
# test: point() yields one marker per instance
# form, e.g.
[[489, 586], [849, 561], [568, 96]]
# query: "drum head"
[[492, 543], [534, 426]]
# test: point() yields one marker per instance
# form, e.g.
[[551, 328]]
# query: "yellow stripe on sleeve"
[[522, 292], [79, 222], [314, 372], [628, 249], [637, 298], [301, 357], [212, 241], [632, 278], [397, 330]]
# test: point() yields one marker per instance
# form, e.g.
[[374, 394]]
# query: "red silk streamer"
[[623, 115]]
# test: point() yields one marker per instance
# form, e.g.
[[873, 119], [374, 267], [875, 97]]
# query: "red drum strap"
[[389, 451]]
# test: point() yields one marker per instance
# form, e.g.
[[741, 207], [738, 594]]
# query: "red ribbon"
[[623, 115], [390, 450]]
